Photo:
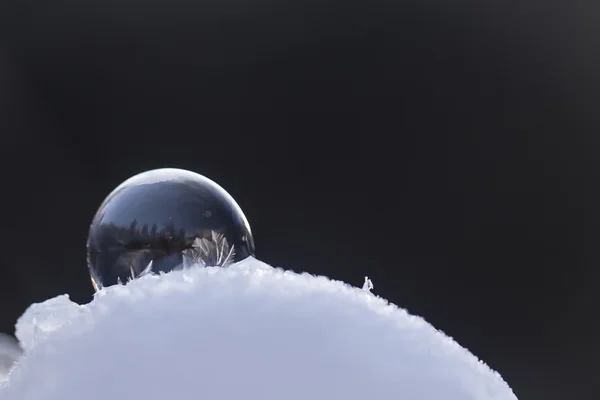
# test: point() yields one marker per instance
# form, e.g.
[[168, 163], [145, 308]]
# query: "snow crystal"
[[247, 331], [368, 285], [41, 319]]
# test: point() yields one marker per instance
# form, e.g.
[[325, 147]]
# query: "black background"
[[447, 150]]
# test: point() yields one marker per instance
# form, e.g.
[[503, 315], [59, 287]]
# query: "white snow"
[[248, 331]]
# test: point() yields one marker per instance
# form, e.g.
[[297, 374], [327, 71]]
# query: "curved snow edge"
[[252, 300]]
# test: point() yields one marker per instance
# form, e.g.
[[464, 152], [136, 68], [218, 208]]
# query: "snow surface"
[[248, 331]]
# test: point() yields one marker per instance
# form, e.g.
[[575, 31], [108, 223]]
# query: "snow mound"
[[247, 331]]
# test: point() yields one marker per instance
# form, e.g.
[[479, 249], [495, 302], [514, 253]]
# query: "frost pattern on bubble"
[[204, 252], [209, 252]]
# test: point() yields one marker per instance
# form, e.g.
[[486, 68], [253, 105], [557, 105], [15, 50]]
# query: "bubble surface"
[[160, 219]]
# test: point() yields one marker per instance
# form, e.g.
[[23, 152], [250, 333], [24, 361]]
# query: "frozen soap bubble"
[[159, 220]]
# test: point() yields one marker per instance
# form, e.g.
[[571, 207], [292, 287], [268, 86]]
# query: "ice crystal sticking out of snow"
[[368, 285]]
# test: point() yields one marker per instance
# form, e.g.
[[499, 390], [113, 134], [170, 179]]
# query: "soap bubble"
[[158, 220]]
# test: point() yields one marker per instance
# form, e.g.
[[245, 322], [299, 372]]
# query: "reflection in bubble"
[[166, 217]]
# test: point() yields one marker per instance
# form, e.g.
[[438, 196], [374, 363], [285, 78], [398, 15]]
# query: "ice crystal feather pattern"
[[213, 252], [204, 252]]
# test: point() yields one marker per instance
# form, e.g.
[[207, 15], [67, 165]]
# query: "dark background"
[[449, 151]]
